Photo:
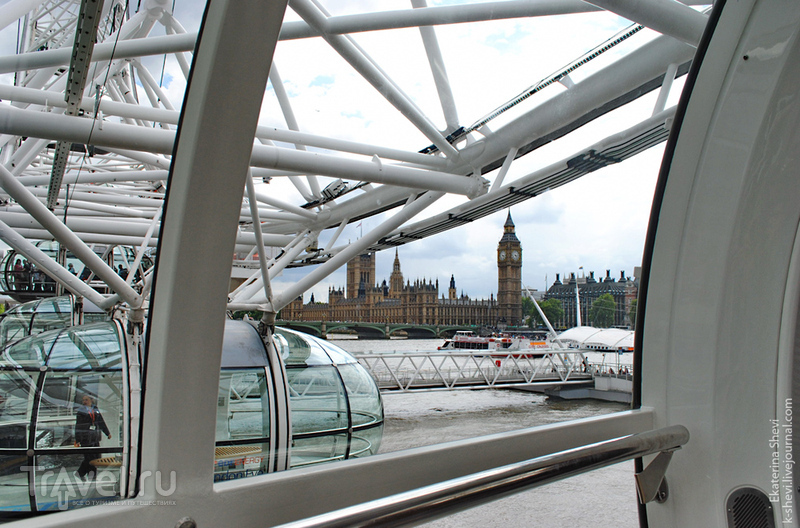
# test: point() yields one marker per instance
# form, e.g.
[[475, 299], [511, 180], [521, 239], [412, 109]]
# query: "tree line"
[[601, 314]]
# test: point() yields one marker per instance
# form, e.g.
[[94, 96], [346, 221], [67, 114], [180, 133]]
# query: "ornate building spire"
[[366, 299], [509, 231], [396, 278], [509, 276]]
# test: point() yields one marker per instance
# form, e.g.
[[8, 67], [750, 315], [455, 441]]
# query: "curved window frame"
[[248, 459], [350, 431], [60, 365], [29, 314], [32, 453]]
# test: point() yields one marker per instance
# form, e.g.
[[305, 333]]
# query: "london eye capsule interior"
[[67, 430], [23, 280]]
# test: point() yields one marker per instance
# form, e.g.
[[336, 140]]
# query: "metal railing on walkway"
[[479, 368]]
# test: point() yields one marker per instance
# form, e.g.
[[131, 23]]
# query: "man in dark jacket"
[[89, 424]]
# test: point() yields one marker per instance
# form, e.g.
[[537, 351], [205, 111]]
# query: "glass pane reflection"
[[42, 322], [366, 406], [300, 349], [80, 408], [242, 405], [14, 483], [318, 449], [58, 485], [16, 391], [14, 326], [240, 461], [317, 400], [32, 352], [366, 442], [94, 346]]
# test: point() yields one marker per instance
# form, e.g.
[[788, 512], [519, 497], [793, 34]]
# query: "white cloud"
[[598, 222]]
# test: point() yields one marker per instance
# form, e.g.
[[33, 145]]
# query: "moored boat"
[[468, 340]]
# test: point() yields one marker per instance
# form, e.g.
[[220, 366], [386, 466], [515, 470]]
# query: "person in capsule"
[[89, 424]]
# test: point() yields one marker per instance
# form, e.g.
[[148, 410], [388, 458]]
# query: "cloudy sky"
[[598, 222]]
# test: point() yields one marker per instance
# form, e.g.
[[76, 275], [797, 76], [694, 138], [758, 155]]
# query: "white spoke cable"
[[366, 68], [409, 211], [291, 122], [262, 257]]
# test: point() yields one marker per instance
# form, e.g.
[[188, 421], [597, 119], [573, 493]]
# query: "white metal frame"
[[449, 370], [135, 141], [729, 217], [218, 154]]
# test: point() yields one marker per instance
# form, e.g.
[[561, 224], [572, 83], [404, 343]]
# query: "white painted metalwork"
[[450, 370], [449, 497], [734, 159], [727, 231], [132, 139]]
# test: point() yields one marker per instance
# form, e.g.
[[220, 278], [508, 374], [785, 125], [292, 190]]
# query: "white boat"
[[468, 340], [499, 346]]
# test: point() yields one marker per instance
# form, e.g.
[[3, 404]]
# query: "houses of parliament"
[[419, 302]]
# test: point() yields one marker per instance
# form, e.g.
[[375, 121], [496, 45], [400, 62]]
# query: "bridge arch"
[[364, 330], [415, 331], [369, 330]]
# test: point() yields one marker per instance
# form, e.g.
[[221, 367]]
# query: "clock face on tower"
[[502, 255], [515, 255]]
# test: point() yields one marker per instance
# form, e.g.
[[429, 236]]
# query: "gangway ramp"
[[402, 372]]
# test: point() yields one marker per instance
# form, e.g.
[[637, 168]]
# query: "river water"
[[603, 498]]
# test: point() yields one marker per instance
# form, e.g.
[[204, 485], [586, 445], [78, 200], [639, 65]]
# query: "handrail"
[[473, 368], [449, 497]]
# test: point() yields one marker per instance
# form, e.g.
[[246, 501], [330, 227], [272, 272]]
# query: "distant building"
[[624, 291], [420, 302], [534, 294], [509, 276]]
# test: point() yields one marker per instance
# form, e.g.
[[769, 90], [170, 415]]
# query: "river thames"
[[601, 498]]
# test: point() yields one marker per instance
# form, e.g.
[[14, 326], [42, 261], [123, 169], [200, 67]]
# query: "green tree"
[[528, 310], [602, 311], [552, 310], [632, 312]]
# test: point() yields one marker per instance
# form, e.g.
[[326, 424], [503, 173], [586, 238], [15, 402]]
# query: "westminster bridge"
[[366, 330]]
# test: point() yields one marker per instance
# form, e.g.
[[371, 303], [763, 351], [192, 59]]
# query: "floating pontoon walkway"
[[475, 369]]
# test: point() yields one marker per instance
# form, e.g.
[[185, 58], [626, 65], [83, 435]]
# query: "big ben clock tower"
[[509, 276]]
